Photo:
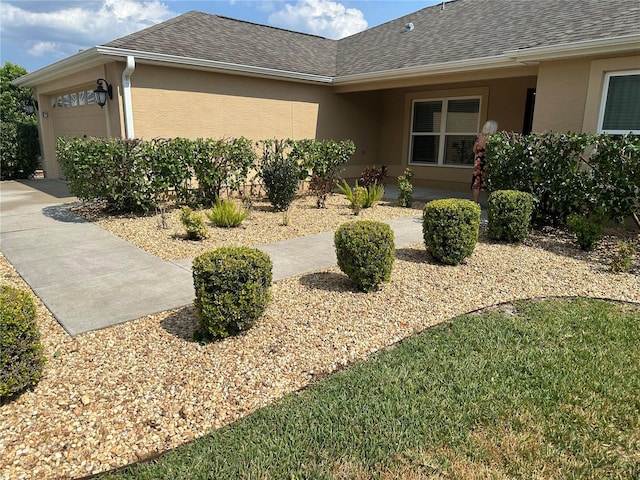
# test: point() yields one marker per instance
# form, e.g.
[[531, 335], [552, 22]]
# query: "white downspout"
[[126, 96]]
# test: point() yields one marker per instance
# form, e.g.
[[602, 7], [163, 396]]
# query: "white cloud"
[[74, 27], [39, 49], [321, 17]]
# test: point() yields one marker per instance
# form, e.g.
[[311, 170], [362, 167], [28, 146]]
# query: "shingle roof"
[[213, 37], [467, 29], [455, 30]]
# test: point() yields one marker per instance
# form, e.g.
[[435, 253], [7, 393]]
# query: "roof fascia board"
[[80, 61], [577, 49], [97, 55], [459, 66], [213, 65]]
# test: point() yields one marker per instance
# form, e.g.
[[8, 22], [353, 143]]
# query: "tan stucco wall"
[[189, 103], [560, 97], [503, 100]]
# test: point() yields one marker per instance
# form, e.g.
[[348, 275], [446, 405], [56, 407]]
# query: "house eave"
[[601, 46], [460, 66], [99, 55]]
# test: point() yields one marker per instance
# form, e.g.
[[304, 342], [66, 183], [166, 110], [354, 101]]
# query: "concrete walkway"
[[90, 279]]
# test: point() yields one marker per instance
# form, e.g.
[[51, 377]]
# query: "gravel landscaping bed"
[[115, 396]]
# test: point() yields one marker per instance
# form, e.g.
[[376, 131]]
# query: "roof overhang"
[[512, 58], [600, 46], [509, 59], [99, 55]]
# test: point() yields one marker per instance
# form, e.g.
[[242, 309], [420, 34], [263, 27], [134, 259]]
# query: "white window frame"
[[442, 134], [603, 102]]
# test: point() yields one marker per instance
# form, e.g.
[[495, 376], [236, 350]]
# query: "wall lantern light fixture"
[[31, 106], [101, 93]]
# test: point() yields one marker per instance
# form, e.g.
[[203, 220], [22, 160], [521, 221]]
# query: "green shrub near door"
[[509, 215], [450, 229]]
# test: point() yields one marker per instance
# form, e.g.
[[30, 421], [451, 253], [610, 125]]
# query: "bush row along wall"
[[136, 175], [584, 174]]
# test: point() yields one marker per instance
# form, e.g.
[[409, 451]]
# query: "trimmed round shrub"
[[21, 353], [509, 214], [232, 289], [365, 252], [280, 177], [450, 229]]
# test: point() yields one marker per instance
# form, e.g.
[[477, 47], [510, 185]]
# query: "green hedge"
[[509, 215], [450, 229], [136, 175], [568, 173], [21, 357], [365, 252], [232, 289]]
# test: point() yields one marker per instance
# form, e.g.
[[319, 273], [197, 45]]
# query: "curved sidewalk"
[[90, 279]]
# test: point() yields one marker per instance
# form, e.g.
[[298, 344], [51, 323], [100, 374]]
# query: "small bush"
[[232, 289], [365, 252], [623, 257], [588, 230], [450, 229], [280, 175], [194, 224], [371, 175], [509, 213], [21, 357], [226, 214], [405, 189]]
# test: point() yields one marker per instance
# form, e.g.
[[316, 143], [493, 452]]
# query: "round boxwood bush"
[[21, 353], [450, 229], [232, 289], [509, 214], [365, 252]]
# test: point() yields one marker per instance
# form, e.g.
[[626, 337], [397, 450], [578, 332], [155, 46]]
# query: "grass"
[[540, 389]]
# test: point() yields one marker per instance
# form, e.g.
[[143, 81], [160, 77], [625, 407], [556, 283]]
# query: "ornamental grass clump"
[[450, 229], [361, 197], [232, 289], [21, 353], [365, 252], [509, 214], [227, 214]]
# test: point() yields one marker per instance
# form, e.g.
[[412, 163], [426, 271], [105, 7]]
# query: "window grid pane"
[[425, 149], [427, 116], [462, 115], [459, 150], [622, 109]]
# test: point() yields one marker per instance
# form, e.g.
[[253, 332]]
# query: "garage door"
[[75, 114]]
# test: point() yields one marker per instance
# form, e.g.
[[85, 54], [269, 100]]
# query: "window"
[[620, 108], [74, 99], [443, 131], [91, 99], [81, 100]]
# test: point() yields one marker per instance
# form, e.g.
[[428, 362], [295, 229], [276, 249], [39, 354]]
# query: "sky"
[[34, 34]]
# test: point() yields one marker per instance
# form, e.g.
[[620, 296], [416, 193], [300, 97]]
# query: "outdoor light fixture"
[[101, 93], [31, 107]]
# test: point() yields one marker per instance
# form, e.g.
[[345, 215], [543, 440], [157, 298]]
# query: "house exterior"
[[412, 92]]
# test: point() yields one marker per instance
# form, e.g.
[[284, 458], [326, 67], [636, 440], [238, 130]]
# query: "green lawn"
[[542, 389]]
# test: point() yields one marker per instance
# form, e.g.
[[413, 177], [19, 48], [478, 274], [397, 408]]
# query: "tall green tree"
[[19, 146]]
